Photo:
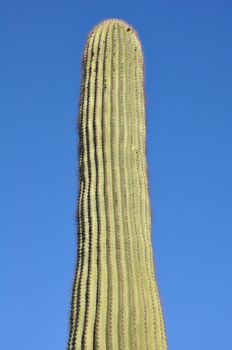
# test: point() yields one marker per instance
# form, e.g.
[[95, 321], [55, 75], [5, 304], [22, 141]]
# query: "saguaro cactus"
[[115, 299]]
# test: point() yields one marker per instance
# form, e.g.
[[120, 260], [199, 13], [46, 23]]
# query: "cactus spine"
[[115, 300]]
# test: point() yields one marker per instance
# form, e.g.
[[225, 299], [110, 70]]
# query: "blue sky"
[[188, 55]]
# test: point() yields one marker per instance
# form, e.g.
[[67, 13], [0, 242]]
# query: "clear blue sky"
[[188, 55]]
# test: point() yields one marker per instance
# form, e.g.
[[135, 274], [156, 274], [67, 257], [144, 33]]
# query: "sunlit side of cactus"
[[115, 301]]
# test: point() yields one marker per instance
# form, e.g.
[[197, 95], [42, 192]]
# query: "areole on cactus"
[[115, 300]]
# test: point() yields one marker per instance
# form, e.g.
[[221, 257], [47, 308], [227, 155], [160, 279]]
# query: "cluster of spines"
[[115, 302]]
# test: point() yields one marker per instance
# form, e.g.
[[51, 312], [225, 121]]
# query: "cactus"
[[115, 298]]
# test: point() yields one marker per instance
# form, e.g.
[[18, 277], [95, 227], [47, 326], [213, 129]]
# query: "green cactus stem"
[[115, 300]]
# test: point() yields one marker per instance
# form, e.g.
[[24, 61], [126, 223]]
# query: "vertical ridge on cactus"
[[115, 299]]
